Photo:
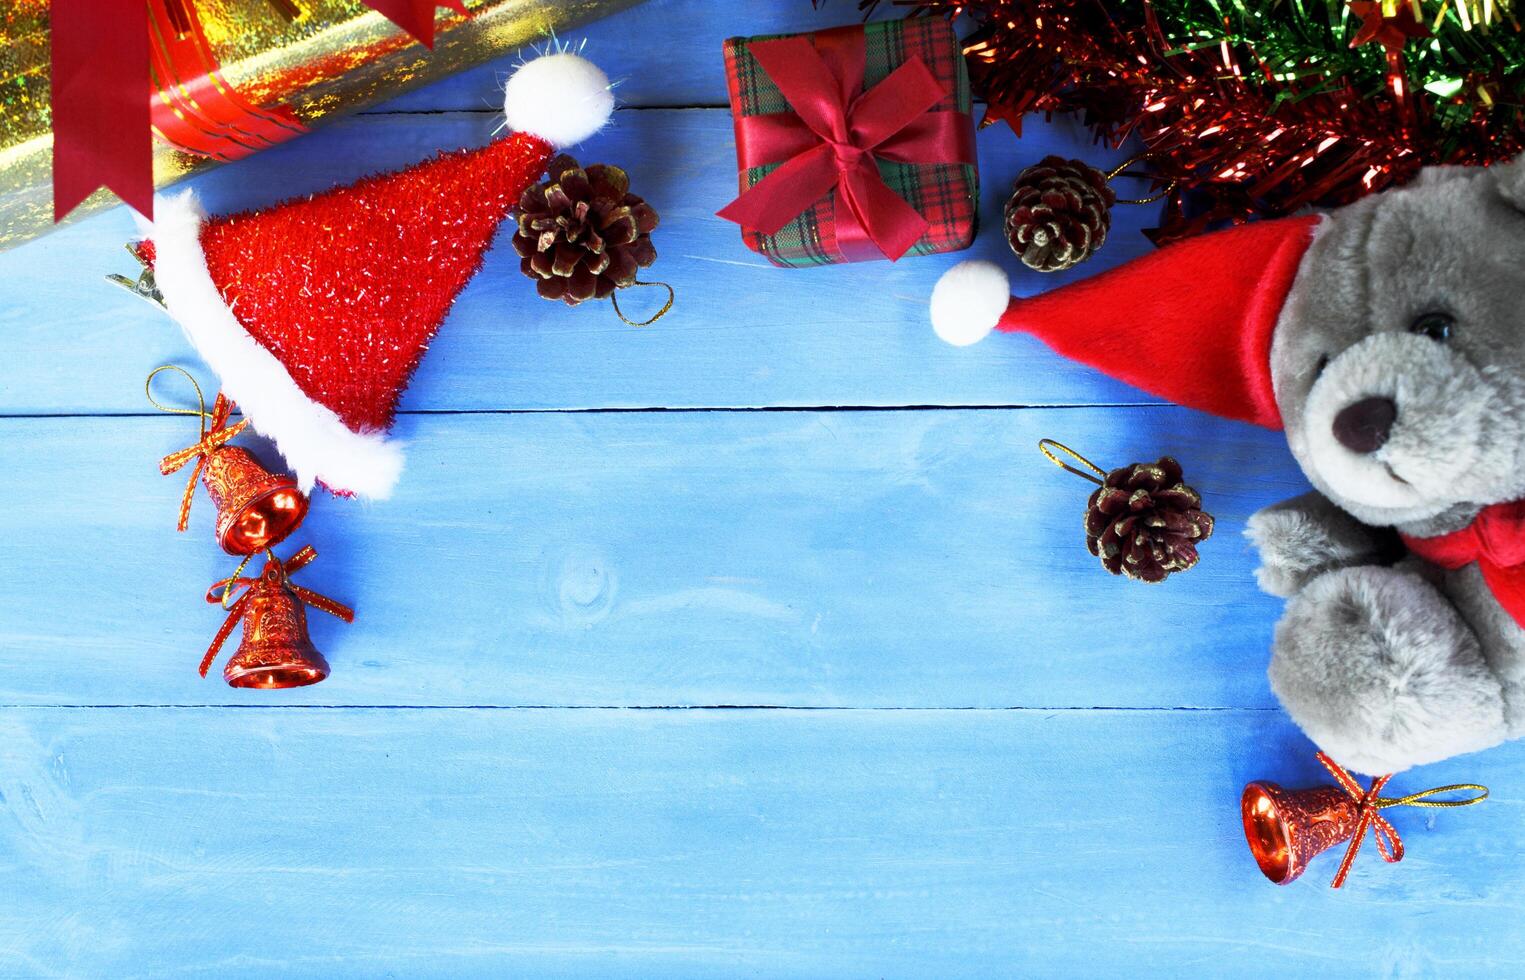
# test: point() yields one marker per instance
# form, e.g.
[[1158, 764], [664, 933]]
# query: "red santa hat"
[[1191, 322], [314, 313]]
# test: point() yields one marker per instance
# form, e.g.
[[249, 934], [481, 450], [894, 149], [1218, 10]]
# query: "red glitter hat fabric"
[[347, 288], [314, 313]]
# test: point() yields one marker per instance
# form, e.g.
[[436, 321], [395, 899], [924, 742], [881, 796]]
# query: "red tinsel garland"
[[1216, 119]]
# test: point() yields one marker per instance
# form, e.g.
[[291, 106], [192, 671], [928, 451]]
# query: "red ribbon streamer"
[[832, 138], [102, 86], [1496, 541], [100, 108]]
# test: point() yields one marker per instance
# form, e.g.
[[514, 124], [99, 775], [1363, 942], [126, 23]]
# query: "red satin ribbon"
[[1368, 817], [1496, 541], [277, 575], [102, 84], [212, 439], [833, 137]]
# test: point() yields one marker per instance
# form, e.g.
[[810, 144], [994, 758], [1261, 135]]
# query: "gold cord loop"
[[228, 583], [1099, 477], [201, 402], [1418, 799], [1121, 170], [671, 296]]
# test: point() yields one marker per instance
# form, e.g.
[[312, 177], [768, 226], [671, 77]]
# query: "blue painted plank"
[[660, 53], [336, 843], [743, 333], [905, 558]]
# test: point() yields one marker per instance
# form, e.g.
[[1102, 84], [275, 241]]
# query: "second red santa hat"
[[1191, 322]]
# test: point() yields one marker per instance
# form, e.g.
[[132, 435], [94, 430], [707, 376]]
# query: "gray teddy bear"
[[1399, 369], [1387, 338]]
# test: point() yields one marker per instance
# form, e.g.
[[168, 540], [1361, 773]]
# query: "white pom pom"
[[559, 97], [968, 301]]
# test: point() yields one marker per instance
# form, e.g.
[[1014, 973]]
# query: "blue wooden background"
[[759, 642]]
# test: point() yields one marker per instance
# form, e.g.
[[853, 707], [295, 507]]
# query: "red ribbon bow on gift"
[[1496, 541], [277, 575], [102, 83], [833, 137]]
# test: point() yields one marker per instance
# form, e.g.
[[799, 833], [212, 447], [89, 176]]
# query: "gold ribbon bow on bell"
[[284, 622], [213, 436]]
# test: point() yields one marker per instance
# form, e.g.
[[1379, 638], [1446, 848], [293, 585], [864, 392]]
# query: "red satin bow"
[[101, 86], [833, 136], [277, 575], [1368, 817], [212, 439], [1496, 541]]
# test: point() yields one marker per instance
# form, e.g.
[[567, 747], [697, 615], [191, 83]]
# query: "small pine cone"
[[1058, 214], [582, 234], [1145, 523]]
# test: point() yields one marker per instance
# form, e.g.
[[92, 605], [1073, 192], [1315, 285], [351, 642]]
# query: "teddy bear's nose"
[[1365, 425]]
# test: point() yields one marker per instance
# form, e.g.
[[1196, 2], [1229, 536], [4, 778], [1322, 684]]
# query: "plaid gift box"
[[865, 132]]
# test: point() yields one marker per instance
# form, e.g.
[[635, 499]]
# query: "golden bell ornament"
[[1288, 828], [276, 651], [256, 509]]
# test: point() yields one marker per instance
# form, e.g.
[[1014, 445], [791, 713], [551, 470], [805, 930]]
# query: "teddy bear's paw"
[[1302, 538], [1380, 670]]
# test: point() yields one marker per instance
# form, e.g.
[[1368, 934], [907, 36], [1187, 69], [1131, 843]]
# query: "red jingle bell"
[[1288, 828], [276, 651], [256, 509]]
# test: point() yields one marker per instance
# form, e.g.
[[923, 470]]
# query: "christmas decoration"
[[215, 81], [315, 312], [1191, 322], [1060, 211], [1386, 338], [276, 651], [1142, 521], [853, 143], [255, 508], [1287, 829], [1058, 214], [582, 234], [1260, 108]]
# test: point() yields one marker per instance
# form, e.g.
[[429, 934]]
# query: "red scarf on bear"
[[1496, 541]]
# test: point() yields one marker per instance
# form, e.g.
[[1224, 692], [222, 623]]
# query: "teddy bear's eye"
[[1436, 326]]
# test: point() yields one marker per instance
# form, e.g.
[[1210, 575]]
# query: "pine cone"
[[582, 234], [1058, 214], [1145, 523]]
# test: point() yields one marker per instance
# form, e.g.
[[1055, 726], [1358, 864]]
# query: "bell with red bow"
[[1286, 829], [276, 651], [256, 509]]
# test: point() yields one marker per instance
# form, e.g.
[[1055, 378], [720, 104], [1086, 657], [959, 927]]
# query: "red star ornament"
[[1391, 30]]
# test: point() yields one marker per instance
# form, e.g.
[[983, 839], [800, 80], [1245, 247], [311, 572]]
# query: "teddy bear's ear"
[[1510, 179]]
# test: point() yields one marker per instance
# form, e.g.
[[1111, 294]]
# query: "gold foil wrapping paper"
[[301, 61]]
